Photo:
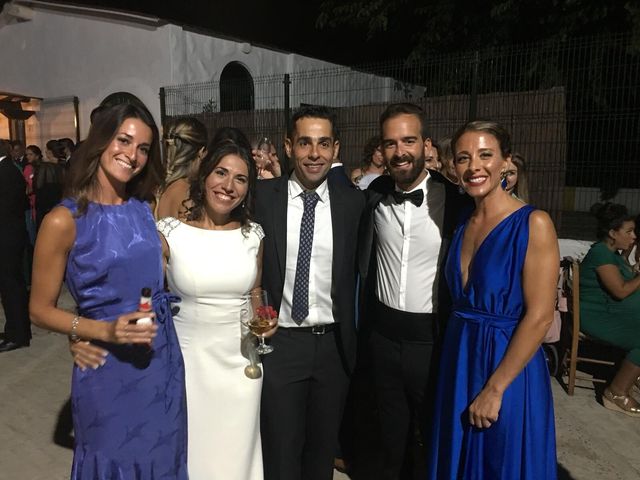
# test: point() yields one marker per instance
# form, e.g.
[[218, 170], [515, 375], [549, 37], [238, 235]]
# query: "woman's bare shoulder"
[[58, 227]]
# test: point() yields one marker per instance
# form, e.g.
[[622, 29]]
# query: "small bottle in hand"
[[145, 306]]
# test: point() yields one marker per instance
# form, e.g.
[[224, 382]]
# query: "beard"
[[406, 177]]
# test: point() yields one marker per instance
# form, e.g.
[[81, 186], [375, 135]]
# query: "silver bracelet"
[[73, 336]]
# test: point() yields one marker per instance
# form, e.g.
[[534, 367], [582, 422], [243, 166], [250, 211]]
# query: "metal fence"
[[573, 109]]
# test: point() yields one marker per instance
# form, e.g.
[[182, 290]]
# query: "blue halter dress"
[[521, 444], [129, 415]]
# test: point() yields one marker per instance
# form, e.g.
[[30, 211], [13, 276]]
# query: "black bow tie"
[[414, 197]]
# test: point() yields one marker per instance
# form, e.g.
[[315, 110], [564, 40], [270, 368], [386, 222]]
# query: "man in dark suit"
[[405, 233], [18, 153], [13, 290], [338, 174], [309, 269]]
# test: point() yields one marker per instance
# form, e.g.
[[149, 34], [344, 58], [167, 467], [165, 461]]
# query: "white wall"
[[57, 55], [61, 55]]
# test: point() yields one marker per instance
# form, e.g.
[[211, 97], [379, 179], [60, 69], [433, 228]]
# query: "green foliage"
[[210, 107]]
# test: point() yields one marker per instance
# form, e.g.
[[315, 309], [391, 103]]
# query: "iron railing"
[[573, 109]]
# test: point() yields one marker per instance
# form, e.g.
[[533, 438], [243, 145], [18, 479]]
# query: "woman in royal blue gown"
[[493, 414], [129, 413]]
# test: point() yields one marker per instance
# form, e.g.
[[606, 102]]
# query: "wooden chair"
[[572, 336]]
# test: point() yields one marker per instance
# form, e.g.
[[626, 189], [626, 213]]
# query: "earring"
[[460, 190], [503, 182]]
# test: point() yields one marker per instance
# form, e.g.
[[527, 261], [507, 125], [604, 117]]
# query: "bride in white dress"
[[214, 256]]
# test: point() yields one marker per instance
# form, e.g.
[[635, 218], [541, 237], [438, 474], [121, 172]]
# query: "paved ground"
[[593, 443]]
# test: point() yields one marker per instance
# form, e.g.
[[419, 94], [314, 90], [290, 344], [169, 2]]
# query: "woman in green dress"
[[610, 302]]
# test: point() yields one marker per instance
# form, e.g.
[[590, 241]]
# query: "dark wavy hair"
[[82, 179], [369, 149], [493, 128], [197, 191], [233, 134], [610, 216], [36, 150], [521, 188]]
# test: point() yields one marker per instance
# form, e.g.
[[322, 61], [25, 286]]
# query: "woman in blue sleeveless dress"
[[493, 414], [129, 414]]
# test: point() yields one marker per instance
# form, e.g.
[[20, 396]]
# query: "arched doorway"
[[236, 88]]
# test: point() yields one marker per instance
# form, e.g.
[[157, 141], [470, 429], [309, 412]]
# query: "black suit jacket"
[[456, 205], [339, 175], [13, 198], [346, 208]]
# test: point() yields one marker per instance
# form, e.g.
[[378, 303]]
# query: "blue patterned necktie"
[[300, 301]]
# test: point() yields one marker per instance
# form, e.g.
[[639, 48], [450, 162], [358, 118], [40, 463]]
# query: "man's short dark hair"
[[313, 111], [5, 147], [396, 109], [16, 143], [68, 143]]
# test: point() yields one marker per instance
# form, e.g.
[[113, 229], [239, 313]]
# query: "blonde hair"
[[184, 139]]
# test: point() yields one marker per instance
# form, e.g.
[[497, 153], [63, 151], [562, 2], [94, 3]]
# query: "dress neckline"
[[484, 241], [126, 202], [210, 229]]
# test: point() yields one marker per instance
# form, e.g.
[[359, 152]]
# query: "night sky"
[[448, 25]]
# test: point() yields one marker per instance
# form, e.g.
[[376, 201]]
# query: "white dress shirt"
[[407, 250], [320, 303]]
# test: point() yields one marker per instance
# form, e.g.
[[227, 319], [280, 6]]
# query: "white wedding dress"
[[210, 270]]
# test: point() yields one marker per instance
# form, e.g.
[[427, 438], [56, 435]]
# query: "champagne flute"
[[259, 317]]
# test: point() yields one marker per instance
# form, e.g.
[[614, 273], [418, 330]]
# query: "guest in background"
[[185, 141], [610, 301], [266, 159], [446, 159], [18, 153], [633, 254], [13, 290], [48, 180], [34, 159], [55, 152], [69, 148], [129, 413], [516, 177], [371, 164], [432, 158]]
